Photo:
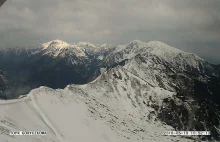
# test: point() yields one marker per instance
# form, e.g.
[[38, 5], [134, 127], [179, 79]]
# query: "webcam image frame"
[[109, 71]]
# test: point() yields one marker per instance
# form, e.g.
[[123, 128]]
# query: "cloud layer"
[[191, 25]]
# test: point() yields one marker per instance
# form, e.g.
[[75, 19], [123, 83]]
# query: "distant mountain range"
[[159, 82], [54, 64]]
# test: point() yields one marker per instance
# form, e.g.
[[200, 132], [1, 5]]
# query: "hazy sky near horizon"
[[190, 25]]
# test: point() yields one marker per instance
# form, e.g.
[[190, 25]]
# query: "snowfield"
[[83, 113]]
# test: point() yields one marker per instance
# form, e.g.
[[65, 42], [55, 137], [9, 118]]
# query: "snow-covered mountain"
[[54, 64], [180, 60], [138, 90], [189, 76], [117, 107], [60, 48], [81, 49]]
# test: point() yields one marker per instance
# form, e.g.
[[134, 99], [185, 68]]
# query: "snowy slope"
[[180, 60], [61, 48], [144, 89], [56, 44], [117, 107], [194, 81]]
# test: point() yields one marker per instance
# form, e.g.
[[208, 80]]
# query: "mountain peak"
[[157, 43], [58, 41], [81, 43], [154, 43], [55, 43], [137, 42]]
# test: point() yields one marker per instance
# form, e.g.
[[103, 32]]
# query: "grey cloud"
[[191, 25]]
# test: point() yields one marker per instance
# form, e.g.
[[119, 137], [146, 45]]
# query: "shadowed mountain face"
[[54, 64], [199, 107], [218, 68], [3, 84], [193, 83]]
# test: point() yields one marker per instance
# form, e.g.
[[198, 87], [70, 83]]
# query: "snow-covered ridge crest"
[[134, 47], [59, 44], [55, 43], [165, 48], [156, 47], [160, 49], [61, 48], [172, 55], [158, 44], [112, 108], [81, 43]]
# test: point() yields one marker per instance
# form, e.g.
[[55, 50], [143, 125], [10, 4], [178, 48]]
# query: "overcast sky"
[[190, 25]]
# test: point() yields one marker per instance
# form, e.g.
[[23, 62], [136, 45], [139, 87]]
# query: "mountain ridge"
[[61, 58], [62, 44], [153, 81]]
